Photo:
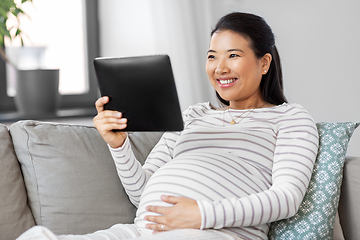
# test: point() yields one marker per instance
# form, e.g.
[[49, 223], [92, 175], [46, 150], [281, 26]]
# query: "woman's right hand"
[[105, 121]]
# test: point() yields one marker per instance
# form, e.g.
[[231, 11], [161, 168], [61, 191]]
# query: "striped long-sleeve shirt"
[[243, 176]]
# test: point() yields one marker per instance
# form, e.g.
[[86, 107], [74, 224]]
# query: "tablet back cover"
[[143, 89]]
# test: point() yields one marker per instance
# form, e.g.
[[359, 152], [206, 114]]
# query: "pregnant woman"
[[233, 170]]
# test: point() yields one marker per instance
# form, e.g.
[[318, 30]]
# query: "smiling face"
[[234, 71]]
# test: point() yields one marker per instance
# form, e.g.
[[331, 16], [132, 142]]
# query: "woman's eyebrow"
[[235, 50], [229, 50]]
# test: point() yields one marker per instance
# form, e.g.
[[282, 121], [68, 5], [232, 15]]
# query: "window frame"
[[72, 101]]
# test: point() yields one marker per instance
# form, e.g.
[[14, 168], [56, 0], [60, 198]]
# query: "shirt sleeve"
[[132, 174], [293, 162]]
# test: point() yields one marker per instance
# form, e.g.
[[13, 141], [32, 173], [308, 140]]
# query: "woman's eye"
[[233, 55], [211, 56]]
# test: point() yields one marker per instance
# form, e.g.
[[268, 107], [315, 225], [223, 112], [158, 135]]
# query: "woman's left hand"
[[185, 213]]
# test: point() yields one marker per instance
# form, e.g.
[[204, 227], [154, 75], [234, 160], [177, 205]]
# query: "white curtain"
[[182, 29]]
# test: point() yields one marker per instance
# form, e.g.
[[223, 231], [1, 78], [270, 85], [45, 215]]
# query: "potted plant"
[[9, 7], [36, 89]]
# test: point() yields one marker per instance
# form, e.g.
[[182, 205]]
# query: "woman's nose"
[[221, 68]]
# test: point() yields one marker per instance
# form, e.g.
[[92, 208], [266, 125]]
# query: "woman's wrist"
[[119, 145]]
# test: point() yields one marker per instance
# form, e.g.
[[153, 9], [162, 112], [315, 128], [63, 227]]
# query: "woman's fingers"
[[105, 126], [157, 228], [99, 104], [109, 120], [106, 121], [107, 114], [108, 117], [184, 213]]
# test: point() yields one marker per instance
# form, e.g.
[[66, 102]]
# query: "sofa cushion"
[[71, 179], [316, 215], [16, 216]]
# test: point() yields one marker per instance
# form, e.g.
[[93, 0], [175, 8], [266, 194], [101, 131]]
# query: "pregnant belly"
[[202, 177]]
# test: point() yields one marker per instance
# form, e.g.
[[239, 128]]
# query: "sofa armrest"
[[349, 211], [15, 214]]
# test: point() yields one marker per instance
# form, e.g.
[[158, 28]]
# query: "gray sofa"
[[63, 177]]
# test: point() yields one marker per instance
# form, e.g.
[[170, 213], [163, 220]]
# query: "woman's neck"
[[257, 103]]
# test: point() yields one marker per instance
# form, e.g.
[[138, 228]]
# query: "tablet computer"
[[143, 89]]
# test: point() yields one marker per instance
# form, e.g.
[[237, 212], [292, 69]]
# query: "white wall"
[[318, 41]]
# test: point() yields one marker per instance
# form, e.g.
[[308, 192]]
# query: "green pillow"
[[316, 216]]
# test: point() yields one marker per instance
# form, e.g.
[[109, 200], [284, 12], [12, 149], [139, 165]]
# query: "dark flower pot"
[[37, 92]]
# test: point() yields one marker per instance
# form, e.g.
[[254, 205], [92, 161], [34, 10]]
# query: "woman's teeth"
[[227, 81]]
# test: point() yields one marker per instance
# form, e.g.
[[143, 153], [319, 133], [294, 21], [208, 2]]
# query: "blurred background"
[[318, 42]]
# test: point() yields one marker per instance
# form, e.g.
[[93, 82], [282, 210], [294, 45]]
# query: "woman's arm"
[[294, 157], [134, 176]]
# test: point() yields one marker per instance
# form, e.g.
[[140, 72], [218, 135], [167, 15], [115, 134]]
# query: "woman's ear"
[[266, 61]]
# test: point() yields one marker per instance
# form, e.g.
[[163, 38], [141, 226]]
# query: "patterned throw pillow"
[[316, 215]]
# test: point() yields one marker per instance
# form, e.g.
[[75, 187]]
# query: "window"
[[72, 41]]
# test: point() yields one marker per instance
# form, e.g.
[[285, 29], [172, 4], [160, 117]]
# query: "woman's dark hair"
[[262, 41]]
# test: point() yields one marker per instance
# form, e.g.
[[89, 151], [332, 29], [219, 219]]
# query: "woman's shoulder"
[[289, 109], [294, 113], [198, 110], [203, 106]]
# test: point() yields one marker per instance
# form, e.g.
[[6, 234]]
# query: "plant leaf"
[[18, 31], [9, 7]]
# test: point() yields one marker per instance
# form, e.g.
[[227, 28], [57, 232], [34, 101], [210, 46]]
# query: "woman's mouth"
[[226, 82]]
